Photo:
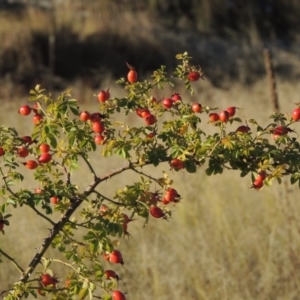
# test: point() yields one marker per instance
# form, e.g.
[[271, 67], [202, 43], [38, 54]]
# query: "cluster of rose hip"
[[277, 132], [151, 199], [24, 150], [47, 280]]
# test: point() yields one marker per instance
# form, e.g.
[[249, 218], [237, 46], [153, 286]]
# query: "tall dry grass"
[[93, 40]]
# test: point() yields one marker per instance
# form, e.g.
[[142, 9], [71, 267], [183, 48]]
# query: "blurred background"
[[62, 40], [225, 240]]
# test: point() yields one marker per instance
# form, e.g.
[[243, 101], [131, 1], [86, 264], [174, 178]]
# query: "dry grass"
[[88, 37], [225, 241]]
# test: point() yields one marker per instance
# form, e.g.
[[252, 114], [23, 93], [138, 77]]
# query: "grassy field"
[[224, 241]]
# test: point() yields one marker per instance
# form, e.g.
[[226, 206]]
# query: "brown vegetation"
[[92, 41]]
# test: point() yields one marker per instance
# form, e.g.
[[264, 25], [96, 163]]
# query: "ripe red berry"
[[103, 210], [54, 199], [38, 191], [243, 128], [156, 212], [99, 139], [95, 117], [37, 119], [171, 195], [176, 98], [84, 116], [224, 116], [31, 164], [25, 110], [258, 184], [164, 201], [45, 158], [193, 76], [111, 274], [46, 280], [2, 152], [132, 76], [105, 256], [98, 127], [150, 120], [262, 175], [176, 164], [214, 117], [231, 110], [151, 135], [280, 131], [117, 295], [167, 103], [145, 113], [116, 257], [296, 114], [1, 225], [27, 139], [23, 152], [139, 111], [44, 148], [196, 107], [103, 96]]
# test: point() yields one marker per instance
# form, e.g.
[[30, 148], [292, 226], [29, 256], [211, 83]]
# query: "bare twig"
[[20, 269], [42, 215], [71, 239], [144, 174], [5, 182], [89, 166], [68, 265], [4, 292], [108, 199]]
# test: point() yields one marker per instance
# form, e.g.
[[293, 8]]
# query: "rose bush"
[[171, 132]]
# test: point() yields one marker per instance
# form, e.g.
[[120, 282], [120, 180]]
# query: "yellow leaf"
[[183, 129], [116, 243], [165, 180]]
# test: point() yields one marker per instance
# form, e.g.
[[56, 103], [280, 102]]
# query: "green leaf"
[[74, 110], [47, 129], [69, 254], [11, 201], [244, 172], [83, 293], [51, 140], [190, 166], [237, 119], [294, 178], [209, 171]]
